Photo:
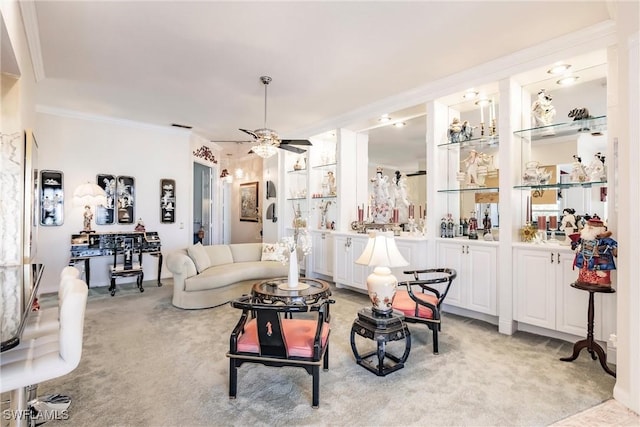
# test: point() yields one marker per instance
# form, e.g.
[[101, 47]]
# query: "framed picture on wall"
[[125, 199], [249, 201], [51, 198], [167, 201], [105, 215]]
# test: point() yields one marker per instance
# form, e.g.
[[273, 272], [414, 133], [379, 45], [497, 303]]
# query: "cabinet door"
[[571, 314], [318, 253], [481, 268], [360, 272], [450, 255], [342, 261], [322, 253], [415, 252], [328, 254], [534, 276]]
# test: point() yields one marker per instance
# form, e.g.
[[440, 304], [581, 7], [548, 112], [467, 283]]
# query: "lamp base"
[[381, 285]]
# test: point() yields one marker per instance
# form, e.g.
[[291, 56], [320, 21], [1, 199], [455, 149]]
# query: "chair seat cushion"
[[403, 302], [298, 333]]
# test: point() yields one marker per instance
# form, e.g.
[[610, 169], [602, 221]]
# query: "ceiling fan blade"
[[250, 132], [292, 149], [295, 142]]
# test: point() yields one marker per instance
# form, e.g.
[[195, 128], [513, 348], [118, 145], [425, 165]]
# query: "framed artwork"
[[51, 198], [167, 201], [125, 199], [249, 201], [105, 215]]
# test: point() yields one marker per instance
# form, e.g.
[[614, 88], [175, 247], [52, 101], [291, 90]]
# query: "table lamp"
[[89, 195], [382, 253]]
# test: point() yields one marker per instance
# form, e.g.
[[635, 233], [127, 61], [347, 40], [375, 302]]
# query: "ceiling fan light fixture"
[[264, 149]]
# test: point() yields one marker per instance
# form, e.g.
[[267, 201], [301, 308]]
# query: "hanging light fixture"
[[268, 139], [264, 149]]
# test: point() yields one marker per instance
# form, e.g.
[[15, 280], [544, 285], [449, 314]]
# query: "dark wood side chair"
[[127, 262], [268, 334], [420, 302]]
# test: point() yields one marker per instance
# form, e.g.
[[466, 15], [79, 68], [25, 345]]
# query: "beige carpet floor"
[[147, 363]]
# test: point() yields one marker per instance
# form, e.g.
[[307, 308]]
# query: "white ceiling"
[[198, 63]]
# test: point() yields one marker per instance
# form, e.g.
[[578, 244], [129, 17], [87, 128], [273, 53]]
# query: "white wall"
[[244, 231], [82, 147]]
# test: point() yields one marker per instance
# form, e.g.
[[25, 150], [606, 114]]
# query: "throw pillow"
[[270, 252], [199, 256]]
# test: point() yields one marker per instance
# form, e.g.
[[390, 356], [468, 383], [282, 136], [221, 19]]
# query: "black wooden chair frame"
[[435, 323], [118, 270], [273, 347]]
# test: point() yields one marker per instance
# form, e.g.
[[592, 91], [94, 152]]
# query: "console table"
[[589, 343], [85, 246]]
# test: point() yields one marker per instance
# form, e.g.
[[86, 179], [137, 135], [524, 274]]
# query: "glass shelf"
[[484, 141], [325, 166], [475, 190], [297, 198], [297, 172], [324, 197], [594, 125], [561, 186]]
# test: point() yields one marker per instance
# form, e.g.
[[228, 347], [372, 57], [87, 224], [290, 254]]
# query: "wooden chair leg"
[[233, 379], [316, 387], [435, 340]]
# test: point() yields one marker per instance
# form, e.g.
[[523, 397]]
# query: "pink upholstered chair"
[[269, 334], [420, 301]]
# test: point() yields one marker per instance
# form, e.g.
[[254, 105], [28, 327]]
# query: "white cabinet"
[[544, 297], [321, 253], [414, 250], [476, 264], [347, 248]]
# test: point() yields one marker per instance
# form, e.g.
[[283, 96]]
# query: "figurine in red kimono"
[[595, 254]]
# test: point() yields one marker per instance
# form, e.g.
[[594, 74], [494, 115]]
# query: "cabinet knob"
[[322, 236], [551, 257], [558, 258], [462, 248]]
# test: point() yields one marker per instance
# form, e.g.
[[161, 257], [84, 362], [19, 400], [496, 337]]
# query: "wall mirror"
[[572, 144], [397, 142]]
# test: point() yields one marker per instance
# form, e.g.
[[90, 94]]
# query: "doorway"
[[202, 204]]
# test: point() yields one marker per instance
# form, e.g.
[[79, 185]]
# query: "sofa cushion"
[[270, 252], [227, 274], [243, 252], [199, 256], [219, 254]]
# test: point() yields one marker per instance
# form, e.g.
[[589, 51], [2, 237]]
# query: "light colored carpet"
[[147, 363]]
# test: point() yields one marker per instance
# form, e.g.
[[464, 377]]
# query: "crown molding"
[[595, 37], [61, 112], [30, 22]]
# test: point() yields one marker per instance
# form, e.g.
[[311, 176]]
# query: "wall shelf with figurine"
[[594, 126]]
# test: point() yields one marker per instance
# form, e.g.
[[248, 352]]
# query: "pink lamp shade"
[[382, 253]]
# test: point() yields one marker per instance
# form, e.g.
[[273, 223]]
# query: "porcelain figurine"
[[595, 254], [542, 110]]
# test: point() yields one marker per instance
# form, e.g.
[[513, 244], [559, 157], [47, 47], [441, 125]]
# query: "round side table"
[[381, 329], [589, 343]]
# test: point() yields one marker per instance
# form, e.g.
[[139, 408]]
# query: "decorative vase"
[[293, 280]]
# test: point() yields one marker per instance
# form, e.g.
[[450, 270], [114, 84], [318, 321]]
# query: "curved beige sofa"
[[207, 276]]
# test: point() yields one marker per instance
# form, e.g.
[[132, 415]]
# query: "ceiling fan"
[[268, 139]]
